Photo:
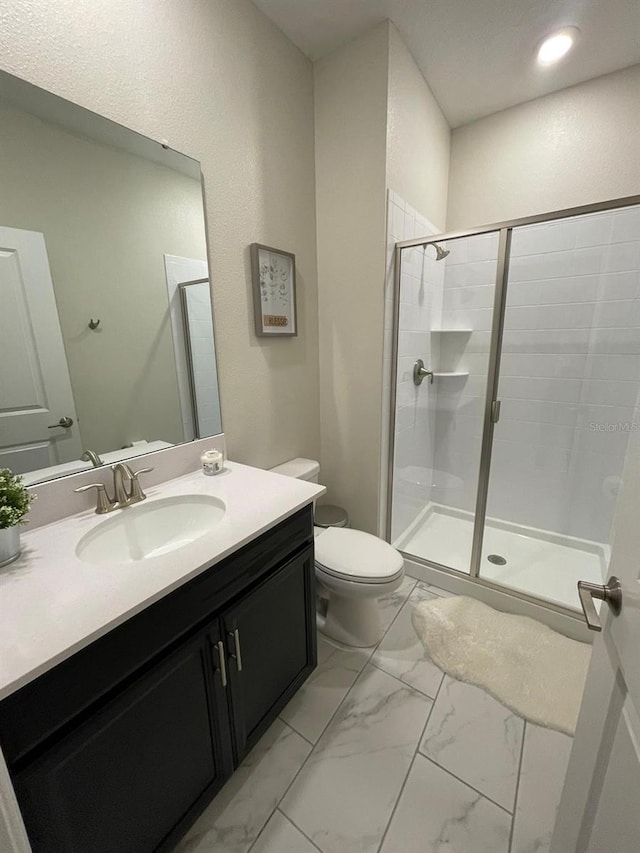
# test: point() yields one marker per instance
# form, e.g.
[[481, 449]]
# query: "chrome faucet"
[[122, 498], [120, 471], [135, 494], [92, 456]]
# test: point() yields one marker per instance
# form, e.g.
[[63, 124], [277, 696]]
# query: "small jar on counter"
[[212, 462]]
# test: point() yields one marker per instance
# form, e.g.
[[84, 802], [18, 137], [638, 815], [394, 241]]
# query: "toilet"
[[353, 570]]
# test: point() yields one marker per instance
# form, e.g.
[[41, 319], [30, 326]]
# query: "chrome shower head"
[[440, 252]]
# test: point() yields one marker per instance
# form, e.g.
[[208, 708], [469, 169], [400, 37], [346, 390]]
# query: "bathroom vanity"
[[117, 738], [144, 651]]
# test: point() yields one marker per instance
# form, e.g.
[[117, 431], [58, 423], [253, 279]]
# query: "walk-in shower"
[[507, 443]]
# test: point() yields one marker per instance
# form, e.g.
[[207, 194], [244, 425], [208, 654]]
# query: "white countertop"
[[52, 604]]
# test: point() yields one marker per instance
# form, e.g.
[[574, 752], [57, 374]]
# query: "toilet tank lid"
[[301, 469]]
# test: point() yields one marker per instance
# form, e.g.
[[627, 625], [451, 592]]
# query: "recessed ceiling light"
[[555, 46]]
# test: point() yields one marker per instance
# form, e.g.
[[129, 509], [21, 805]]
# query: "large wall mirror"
[[106, 329]]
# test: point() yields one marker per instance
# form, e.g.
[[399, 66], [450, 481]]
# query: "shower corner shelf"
[[449, 374]]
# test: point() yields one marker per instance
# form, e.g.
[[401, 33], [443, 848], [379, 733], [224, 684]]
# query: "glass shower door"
[[569, 379], [445, 307]]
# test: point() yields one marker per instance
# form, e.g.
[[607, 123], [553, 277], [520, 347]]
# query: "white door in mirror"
[[38, 421], [151, 529]]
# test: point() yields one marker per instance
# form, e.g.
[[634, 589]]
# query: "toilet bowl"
[[353, 571]]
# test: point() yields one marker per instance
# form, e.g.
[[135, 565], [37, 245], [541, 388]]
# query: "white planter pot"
[[9, 544]]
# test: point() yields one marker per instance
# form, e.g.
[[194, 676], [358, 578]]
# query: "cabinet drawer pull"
[[222, 667], [237, 654]]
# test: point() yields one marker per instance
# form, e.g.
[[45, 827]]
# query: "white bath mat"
[[531, 669]]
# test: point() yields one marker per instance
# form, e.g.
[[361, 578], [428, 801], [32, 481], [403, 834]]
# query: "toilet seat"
[[357, 556]]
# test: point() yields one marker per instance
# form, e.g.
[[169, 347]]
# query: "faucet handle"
[[142, 471], [104, 503], [136, 489]]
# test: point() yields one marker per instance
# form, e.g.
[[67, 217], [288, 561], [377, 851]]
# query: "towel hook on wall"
[[93, 324]]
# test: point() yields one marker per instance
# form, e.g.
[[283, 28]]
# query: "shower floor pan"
[[537, 562]]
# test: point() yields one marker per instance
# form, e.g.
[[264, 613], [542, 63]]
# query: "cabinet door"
[[271, 642], [123, 780]]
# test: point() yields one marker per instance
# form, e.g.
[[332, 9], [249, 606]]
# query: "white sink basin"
[[149, 529]]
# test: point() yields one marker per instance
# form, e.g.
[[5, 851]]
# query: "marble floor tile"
[[391, 604], [233, 820], [319, 697], [436, 590], [439, 814], [402, 654], [477, 739], [544, 765], [344, 795], [281, 836]]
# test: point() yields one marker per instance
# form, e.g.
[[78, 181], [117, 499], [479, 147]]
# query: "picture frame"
[[273, 275]]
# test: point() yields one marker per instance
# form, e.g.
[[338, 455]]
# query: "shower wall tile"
[[564, 316], [610, 392], [610, 341], [546, 340], [470, 296], [541, 388], [622, 256], [620, 313], [467, 318], [543, 364], [554, 290], [595, 230], [538, 411], [619, 285], [483, 248], [545, 237], [626, 225]]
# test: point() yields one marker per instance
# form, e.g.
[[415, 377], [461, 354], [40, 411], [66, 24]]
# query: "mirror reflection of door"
[[35, 389], [201, 356], [112, 207], [191, 315]]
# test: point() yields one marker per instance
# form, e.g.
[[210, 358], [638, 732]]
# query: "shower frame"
[[504, 231]]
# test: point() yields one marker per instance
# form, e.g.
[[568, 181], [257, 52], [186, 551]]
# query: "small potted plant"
[[14, 505]]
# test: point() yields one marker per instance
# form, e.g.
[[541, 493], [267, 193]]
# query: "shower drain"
[[497, 560]]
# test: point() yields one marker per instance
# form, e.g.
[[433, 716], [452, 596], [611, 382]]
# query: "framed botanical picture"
[[274, 291]]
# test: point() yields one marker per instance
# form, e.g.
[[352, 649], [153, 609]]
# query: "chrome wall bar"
[[491, 396], [395, 332], [598, 207]]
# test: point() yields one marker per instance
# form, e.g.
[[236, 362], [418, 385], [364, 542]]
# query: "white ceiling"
[[478, 56]]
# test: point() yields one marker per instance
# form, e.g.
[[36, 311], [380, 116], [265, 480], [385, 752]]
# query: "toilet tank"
[[301, 469]]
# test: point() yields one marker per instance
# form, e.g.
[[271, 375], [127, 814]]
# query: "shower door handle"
[[611, 593]]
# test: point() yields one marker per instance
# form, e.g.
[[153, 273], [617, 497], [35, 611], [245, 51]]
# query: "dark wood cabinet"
[[269, 647], [118, 781], [144, 754]]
